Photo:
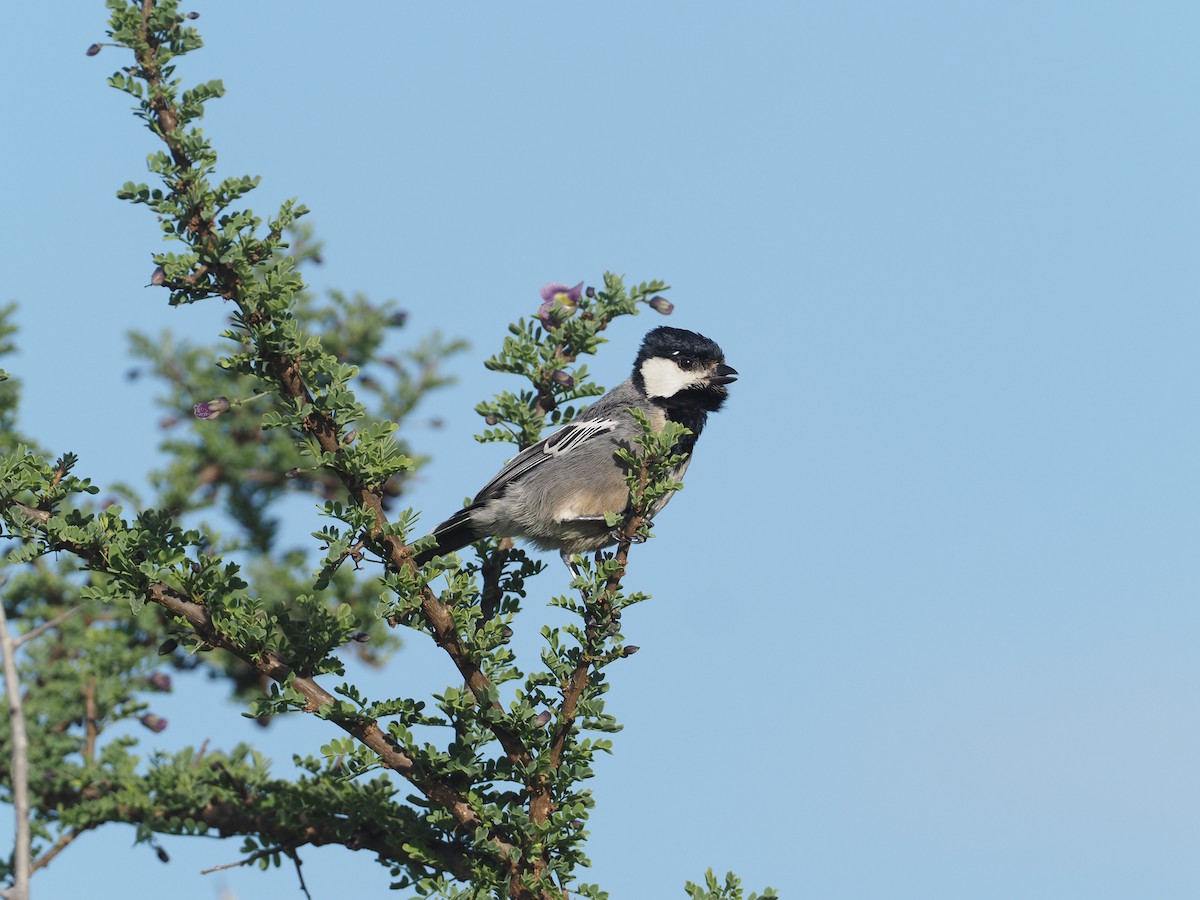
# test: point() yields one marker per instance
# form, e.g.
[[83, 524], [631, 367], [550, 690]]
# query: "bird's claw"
[[618, 534]]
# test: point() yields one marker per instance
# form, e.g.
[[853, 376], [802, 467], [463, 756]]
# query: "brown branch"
[[285, 370], [90, 725], [364, 729], [395, 552], [163, 114], [239, 816], [541, 802], [60, 845]]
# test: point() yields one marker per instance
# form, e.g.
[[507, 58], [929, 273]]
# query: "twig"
[[45, 626], [61, 844], [22, 866], [89, 719], [267, 851], [291, 851], [288, 851], [200, 754]]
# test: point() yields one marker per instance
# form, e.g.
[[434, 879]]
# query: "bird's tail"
[[453, 534]]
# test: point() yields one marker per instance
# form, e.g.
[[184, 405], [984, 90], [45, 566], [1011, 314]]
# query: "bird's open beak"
[[724, 375]]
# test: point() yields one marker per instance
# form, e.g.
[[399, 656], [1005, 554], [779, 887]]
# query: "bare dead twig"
[[288, 851], [291, 851], [253, 857]]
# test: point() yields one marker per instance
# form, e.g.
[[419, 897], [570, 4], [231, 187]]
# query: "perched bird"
[[555, 493]]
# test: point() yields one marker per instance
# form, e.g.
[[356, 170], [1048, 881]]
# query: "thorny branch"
[[285, 367], [287, 374]]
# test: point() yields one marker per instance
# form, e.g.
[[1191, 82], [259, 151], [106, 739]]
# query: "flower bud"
[[293, 472], [93, 50], [630, 650], [158, 276], [543, 718], [563, 378], [507, 632], [162, 855], [159, 681], [661, 304], [193, 15], [591, 291], [212, 408], [350, 437], [167, 647], [157, 724], [361, 636], [492, 419]]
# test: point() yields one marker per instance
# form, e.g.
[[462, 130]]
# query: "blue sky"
[[924, 620]]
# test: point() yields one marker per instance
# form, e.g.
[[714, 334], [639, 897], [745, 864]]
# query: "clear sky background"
[[925, 619]]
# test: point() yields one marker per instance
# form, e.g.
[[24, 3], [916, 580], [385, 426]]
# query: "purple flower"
[[155, 723], [158, 276], [159, 681], [212, 408], [563, 378], [661, 304], [554, 291], [555, 294]]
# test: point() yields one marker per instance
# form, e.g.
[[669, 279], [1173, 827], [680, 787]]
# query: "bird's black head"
[[682, 371]]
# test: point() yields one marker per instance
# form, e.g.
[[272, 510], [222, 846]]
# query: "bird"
[[554, 494]]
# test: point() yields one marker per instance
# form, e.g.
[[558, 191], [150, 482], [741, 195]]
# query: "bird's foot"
[[618, 534]]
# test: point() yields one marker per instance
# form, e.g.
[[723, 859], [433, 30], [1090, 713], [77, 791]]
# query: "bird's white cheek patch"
[[663, 378]]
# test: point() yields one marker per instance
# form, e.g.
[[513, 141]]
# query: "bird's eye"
[[686, 363]]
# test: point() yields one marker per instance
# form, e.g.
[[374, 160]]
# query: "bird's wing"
[[566, 440]]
